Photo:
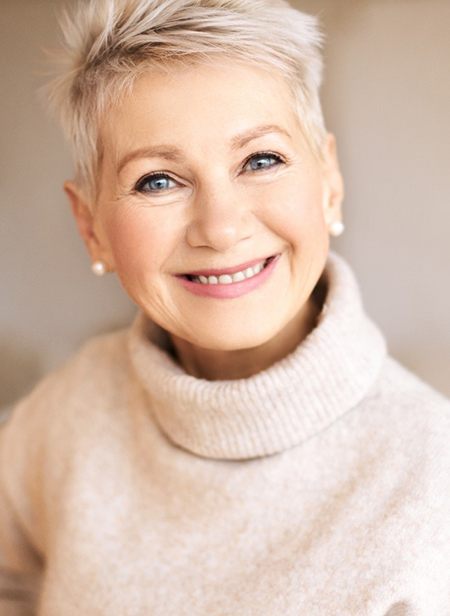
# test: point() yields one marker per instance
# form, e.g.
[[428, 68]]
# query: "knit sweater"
[[317, 487]]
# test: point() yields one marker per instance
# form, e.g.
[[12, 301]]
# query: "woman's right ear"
[[82, 212]]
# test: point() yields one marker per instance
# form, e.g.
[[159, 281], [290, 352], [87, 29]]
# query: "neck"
[[214, 365]]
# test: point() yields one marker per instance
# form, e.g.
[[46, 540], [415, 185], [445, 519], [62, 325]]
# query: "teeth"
[[238, 277], [230, 278], [225, 279]]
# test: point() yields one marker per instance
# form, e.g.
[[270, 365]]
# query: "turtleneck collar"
[[328, 373]]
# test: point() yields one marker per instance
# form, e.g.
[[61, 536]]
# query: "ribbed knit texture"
[[328, 374], [318, 487]]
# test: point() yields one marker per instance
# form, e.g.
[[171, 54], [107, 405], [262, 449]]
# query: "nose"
[[220, 220]]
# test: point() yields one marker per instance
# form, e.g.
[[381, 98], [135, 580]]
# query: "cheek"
[[140, 241], [295, 212]]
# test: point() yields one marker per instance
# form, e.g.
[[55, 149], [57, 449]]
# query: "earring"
[[98, 268], [337, 228]]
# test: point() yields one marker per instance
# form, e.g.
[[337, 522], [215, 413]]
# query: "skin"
[[217, 209]]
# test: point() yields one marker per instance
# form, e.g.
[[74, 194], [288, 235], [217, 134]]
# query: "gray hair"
[[109, 43]]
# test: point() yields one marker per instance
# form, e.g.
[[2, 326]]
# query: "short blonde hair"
[[109, 43]]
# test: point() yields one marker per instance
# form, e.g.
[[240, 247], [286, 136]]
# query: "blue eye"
[[263, 160], [156, 183]]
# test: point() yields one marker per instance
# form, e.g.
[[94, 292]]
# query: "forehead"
[[199, 102]]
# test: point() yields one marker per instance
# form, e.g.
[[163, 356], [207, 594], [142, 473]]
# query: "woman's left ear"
[[83, 214], [334, 184]]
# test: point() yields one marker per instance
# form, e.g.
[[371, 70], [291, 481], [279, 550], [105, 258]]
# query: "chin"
[[234, 339]]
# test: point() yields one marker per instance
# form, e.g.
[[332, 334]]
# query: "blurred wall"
[[386, 97]]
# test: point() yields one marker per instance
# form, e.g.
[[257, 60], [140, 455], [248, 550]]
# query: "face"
[[207, 169]]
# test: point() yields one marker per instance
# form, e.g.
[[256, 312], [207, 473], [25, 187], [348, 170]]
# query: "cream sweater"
[[318, 487]]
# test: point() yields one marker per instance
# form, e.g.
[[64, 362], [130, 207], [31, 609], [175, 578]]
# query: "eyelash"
[[139, 188]]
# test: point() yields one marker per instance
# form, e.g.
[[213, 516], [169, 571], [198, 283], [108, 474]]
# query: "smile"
[[233, 284], [244, 274]]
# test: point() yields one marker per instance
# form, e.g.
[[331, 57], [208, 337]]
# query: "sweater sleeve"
[[20, 564]]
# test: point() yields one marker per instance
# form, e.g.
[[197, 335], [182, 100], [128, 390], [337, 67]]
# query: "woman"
[[247, 446]]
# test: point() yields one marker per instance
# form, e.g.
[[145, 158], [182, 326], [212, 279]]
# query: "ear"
[[333, 183], [83, 213]]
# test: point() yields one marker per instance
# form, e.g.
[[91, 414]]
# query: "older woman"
[[247, 446]]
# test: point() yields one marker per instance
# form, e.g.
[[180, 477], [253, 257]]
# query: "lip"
[[226, 270], [233, 290]]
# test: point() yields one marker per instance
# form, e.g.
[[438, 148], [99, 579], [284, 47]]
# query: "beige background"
[[386, 96]]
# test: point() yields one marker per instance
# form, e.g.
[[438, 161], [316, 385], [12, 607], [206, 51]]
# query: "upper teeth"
[[230, 278]]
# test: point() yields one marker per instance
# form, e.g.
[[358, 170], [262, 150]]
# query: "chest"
[[193, 543]]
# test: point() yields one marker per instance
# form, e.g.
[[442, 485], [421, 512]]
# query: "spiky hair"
[[107, 44]]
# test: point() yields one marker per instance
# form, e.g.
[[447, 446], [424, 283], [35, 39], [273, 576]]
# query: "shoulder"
[[408, 395], [65, 413], [409, 422], [410, 407], [46, 429], [98, 357], [404, 424], [398, 440], [94, 370], [419, 420]]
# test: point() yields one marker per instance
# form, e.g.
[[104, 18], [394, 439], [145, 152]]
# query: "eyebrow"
[[174, 154]]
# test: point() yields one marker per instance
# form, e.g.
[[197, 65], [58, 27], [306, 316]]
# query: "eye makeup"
[[163, 175]]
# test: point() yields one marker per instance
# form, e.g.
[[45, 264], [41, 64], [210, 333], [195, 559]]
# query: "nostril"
[[401, 609]]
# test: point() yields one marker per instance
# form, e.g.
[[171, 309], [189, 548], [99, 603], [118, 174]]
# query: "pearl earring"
[[98, 268], [337, 228]]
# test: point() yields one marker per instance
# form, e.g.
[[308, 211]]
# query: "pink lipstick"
[[232, 289]]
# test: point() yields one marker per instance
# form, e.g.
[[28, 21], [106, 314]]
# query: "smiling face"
[[207, 169]]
